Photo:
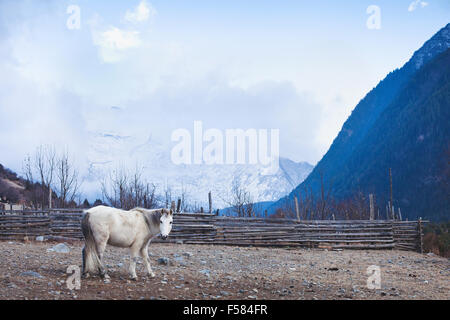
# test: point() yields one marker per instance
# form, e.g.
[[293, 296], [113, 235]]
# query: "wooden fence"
[[194, 228]]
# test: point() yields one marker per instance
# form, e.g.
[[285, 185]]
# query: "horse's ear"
[[162, 211]]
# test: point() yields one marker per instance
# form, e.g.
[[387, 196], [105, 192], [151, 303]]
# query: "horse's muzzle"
[[163, 237]]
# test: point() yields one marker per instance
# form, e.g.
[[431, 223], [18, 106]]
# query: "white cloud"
[[116, 38], [413, 5], [114, 41], [141, 13], [163, 82], [177, 104]]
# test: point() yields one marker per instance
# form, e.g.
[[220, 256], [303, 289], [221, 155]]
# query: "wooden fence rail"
[[194, 228]]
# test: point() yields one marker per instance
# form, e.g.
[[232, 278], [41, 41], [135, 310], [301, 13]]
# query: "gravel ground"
[[29, 271]]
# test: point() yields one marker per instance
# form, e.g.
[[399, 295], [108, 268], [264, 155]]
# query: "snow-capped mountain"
[[109, 151]]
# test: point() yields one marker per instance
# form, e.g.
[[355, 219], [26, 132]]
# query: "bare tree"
[[306, 204], [44, 164], [183, 198], [241, 200], [353, 208], [46, 171], [309, 206], [186, 205], [67, 180], [121, 189], [149, 197], [113, 188], [28, 168], [324, 203], [193, 207], [361, 204], [286, 209], [167, 195]]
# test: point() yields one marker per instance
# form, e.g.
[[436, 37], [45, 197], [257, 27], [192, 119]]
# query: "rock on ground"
[[60, 248]]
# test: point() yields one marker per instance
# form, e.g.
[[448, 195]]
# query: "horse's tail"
[[91, 260]]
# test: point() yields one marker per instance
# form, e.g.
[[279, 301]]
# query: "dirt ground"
[[29, 271]]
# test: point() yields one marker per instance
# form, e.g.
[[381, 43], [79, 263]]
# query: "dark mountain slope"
[[375, 135], [412, 137]]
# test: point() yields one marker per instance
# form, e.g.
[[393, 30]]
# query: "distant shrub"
[[437, 239]]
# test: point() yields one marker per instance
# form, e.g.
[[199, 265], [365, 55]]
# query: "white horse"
[[126, 229]]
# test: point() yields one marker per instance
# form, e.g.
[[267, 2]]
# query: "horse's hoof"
[[152, 275], [133, 278], [107, 280]]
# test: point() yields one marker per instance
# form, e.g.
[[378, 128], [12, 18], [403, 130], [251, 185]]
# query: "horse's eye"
[[170, 222], [160, 221]]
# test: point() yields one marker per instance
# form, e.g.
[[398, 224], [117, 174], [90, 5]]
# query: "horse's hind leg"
[[101, 268], [84, 273], [144, 255]]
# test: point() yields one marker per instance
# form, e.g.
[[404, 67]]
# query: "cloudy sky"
[[297, 66]]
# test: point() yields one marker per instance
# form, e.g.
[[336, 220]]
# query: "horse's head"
[[165, 223]]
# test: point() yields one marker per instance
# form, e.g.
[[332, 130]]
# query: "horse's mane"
[[155, 214], [141, 210], [151, 211]]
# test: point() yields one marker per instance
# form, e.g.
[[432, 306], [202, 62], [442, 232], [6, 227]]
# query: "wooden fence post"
[[179, 205], [172, 206], [420, 234], [297, 211], [391, 200], [372, 209], [210, 202], [49, 197]]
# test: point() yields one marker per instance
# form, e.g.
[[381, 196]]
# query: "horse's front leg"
[[144, 255], [134, 259]]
